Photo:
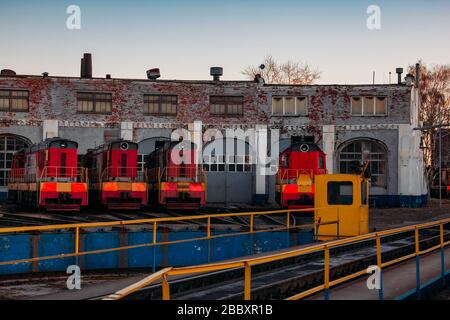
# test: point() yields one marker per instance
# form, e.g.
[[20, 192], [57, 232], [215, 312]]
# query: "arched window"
[[369, 150], [8, 145]]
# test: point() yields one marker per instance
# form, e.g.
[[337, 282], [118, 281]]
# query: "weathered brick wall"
[[330, 105], [55, 98]]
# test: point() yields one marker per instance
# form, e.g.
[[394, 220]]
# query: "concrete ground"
[[430, 268]]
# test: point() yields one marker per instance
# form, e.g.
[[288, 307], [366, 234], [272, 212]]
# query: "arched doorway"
[[9, 144], [371, 150]]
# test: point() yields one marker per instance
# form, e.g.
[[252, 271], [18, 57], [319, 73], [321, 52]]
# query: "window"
[[301, 105], [289, 106], [213, 163], [365, 150], [368, 106], [9, 144], [364, 200], [277, 105], [227, 105], [321, 162], [160, 104], [381, 105], [14, 100], [232, 163], [90, 102], [340, 193]]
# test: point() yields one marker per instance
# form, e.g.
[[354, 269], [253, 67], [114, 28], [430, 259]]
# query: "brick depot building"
[[350, 122]]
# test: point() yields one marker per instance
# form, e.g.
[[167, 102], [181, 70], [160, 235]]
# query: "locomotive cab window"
[[321, 164], [364, 198], [340, 193]]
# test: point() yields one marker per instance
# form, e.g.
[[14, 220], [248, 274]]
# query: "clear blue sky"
[[185, 38]]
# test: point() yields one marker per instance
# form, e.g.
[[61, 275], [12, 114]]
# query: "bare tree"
[[434, 109], [288, 72]]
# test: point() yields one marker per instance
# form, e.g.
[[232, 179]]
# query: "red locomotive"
[[46, 176], [115, 180], [175, 180], [295, 180]]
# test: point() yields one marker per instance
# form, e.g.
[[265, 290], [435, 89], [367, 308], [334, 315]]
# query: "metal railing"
[[291, 175], [49, 173], [154, 223], [125, 174], [325, 248], [177, 174]]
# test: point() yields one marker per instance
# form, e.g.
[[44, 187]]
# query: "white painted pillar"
[[261, 155], [195, 131], [49, 129], [126, 130], [328, 145], [411, 180]]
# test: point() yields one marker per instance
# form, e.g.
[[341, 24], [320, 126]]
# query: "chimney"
[[108, 76], [216, 72], [153, 74], [399, 72], [86, 66], [417, 75]]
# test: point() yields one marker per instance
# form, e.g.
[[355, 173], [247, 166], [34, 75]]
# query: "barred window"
[[90, 102], [14, 100], [227, 105], [365, 150], [290, 106], [368, 106], [160, 104]]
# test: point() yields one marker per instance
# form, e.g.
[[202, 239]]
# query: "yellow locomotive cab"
[[343, 198]]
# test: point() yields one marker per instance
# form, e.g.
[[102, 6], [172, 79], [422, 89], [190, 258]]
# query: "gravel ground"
[[382, 219]]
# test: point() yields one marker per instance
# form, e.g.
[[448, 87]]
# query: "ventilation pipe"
[[216, 72]]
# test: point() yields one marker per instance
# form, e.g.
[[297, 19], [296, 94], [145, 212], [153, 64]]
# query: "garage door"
[[229, 172]]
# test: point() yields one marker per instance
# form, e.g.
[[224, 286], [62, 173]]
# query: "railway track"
[[284, 278], [11, 217]]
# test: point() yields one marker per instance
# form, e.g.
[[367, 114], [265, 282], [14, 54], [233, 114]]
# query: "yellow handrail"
[[138, 285], [247, 263], [154, 222]]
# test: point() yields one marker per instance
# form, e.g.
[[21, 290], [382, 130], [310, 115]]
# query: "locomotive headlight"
[[124, 146], [63, 144], [304, 148]]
